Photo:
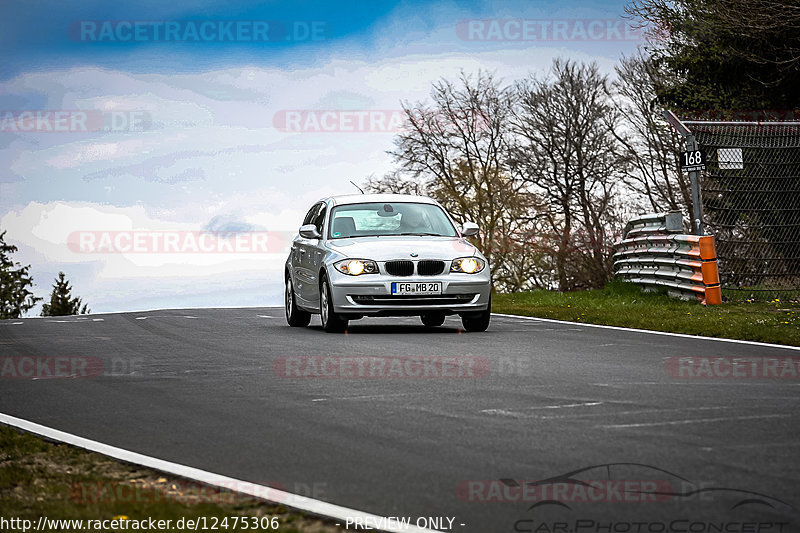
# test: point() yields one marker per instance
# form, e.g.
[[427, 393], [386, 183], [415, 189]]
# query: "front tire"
[[479, 322], [331, 322], [295, 317]]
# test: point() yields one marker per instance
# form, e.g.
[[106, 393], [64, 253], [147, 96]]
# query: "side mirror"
[[309, 231], [468, 229]]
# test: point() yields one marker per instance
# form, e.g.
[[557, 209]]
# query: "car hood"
[[389, 247]]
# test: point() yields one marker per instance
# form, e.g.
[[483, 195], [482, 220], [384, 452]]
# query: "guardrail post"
[[697, 200], [694, 176]]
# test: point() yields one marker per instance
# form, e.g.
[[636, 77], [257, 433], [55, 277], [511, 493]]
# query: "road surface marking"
[[620, 328], [692, 421], [288, 499]]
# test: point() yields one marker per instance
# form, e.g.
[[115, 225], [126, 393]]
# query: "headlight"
[[467, 265], [356, 267]]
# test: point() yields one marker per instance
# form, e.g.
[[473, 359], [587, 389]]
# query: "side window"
[[319, 220], [311, 215]]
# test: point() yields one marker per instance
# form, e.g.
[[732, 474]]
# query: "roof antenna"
[[357, 187]]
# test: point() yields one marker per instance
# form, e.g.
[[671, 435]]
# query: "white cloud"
[[50, 238], [210, 153]]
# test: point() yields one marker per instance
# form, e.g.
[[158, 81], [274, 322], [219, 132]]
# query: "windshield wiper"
[[422, 233]]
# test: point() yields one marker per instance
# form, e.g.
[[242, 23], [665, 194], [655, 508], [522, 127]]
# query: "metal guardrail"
[[653, 252]]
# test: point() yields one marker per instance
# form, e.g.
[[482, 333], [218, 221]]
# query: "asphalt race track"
[[527, 400]]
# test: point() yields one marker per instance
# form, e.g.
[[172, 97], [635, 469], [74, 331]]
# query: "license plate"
[[424, 287]]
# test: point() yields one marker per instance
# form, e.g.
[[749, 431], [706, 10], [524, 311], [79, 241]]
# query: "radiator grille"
[[402, 267], [430, 267]]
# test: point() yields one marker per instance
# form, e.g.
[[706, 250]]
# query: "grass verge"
[[58, 481], [625, 304]]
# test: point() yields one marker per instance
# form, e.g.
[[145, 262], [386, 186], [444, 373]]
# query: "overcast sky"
[[119, 121]]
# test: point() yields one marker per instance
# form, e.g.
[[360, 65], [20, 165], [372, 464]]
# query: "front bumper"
[[371, 294]]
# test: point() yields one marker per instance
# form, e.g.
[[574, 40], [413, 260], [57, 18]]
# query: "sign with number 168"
[[693, 160]]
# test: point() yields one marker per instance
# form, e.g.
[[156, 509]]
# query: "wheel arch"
[[322, 276]]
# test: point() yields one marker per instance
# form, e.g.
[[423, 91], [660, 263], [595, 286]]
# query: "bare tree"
[[458, 144], [502, 209], [652, 146], [395, 182], [570, 158]]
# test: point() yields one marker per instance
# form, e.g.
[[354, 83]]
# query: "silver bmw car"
[[385, 255]]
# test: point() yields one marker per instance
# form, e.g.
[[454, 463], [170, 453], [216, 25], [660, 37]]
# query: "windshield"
[[397, 218]]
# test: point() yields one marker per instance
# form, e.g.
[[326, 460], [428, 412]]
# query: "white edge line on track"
[[682, 335], [521, 317], [288, 499]]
